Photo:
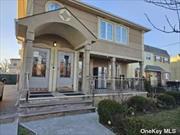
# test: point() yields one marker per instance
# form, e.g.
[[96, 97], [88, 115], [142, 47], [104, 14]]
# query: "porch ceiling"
[[123, 60]]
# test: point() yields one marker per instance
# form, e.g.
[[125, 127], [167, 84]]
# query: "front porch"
[[63, 72]]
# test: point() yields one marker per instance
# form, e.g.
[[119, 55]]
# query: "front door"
[[64, 71], [40, 75]]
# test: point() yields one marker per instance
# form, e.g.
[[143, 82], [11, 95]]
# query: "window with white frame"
[[157, 58], [113, 32], [148, 56], [52, 5], [106, 30], [165, 60]]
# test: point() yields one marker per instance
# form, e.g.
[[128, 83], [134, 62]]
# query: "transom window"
[[52, 5], [113, 32]]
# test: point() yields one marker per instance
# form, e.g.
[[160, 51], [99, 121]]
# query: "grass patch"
[[166, 118]]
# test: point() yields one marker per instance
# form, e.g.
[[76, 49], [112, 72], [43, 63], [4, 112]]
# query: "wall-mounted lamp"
[[54, 44]]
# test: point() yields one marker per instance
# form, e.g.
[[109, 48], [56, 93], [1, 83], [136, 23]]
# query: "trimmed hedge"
[[109, 108], [166, 101], [141, 104], [176, 96]]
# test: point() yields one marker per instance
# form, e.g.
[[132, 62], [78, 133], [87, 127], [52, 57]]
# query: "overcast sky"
[[132, 10]]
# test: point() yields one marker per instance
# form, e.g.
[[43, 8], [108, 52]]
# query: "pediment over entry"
[[60, 22]]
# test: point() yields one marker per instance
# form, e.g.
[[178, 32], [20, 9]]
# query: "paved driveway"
[[7, 105], [83, 124]]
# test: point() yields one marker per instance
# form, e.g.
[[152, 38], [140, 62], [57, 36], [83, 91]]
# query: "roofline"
[[108, 14], [156, 48]]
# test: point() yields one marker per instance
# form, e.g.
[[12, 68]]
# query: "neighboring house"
[[175, 68], [14, 66], [156, 66], [65, 42]]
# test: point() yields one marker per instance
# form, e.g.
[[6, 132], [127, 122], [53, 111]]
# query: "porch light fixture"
[[54, 44]]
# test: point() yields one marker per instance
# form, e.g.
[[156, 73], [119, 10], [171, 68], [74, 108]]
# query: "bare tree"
[[172, 5], [4, 65]]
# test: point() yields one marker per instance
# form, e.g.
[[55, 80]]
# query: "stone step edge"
[[33, 105], [49, 114]]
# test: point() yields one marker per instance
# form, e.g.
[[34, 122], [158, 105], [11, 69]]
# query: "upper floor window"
[[106, 30], [113, 32], [148, 56], [165, 60], [52, 5]]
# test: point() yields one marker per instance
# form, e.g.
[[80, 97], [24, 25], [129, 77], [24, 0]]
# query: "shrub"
[[166, 101], [159, 90], [147, 86], [141, 104], [109, 108], [176, 96], [132, 125]]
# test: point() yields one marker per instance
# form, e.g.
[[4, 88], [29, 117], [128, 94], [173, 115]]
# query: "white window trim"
[[106, 34], [114, 31], [52, 1], [121, 35]]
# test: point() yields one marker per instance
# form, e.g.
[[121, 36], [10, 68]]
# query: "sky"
[[132, 10]]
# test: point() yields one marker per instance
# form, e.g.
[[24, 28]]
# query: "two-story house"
[[156, 66], [14, 66], [66, 42]]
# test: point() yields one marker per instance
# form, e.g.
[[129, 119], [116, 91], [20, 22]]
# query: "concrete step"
[[53, 103], [38, 107], [56, 106], [55, 113], [57, 99]]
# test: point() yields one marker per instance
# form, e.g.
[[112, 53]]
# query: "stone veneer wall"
[[117, 97]]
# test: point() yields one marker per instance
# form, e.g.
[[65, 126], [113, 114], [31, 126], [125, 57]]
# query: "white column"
[[76, 70], [27, 60], [113, 72], [27, 65], [86, 70], [141, 64]]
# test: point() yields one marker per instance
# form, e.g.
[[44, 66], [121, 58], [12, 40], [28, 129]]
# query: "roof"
[[156, 51], [101, 12], [153, 68]]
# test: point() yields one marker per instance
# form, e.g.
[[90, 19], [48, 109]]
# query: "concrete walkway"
[[83, 124], [8, 129], [7, 105]]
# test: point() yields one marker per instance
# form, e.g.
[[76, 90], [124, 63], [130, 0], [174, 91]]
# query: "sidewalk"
[[83, 124]]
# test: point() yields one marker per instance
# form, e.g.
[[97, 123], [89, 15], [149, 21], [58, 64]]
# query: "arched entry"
[[61, 23]]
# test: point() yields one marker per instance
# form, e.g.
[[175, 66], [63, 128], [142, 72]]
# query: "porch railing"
[[104, 85]]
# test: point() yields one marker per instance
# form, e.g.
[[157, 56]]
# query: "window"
[[165, 60], [103, 30], [52, 5], [157, 58], [39, 64], [109, 31], [65, 67], [118, 34], [113, 32], [106, 30], [124, 35], [148, 56]]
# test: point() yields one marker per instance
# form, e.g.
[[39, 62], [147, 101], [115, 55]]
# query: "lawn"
[[166, 118]]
